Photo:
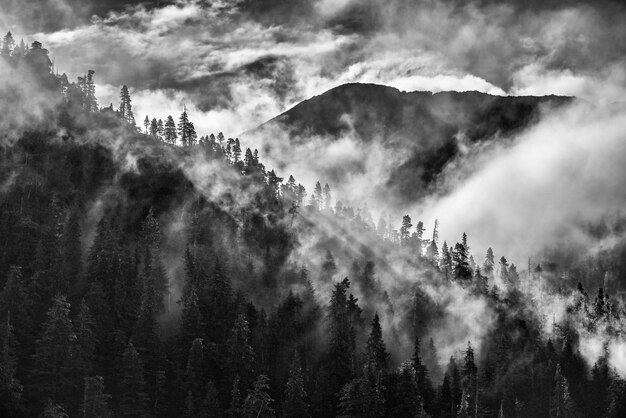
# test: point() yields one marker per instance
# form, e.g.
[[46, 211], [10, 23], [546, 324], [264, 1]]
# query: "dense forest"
[[152, 272]]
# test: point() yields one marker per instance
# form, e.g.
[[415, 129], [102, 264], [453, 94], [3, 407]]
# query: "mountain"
[[427, 127]]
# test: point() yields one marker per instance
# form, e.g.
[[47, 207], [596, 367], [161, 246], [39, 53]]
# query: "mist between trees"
[[153, 271]]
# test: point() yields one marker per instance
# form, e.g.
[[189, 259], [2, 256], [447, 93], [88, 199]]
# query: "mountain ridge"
[[424, 124]]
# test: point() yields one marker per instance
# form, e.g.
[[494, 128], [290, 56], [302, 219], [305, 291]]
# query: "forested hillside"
[[156, 271], [426, 130]]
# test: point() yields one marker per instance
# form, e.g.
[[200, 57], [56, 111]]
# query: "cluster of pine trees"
[[110, 308]]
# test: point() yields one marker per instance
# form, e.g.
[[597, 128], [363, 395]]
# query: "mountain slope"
[[426, 126]]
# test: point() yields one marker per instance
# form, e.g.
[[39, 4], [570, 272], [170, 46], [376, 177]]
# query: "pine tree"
[[126, 108], [15, 305], [327, 197], [316, 198], [160, 130], [241, 354], [489, 263], [236, 152], [186, 130], [376, 354], [432, 252], [170, 134], [53, 360], [504, 270], [210, 407], [341, 337], [561, 405], [405, 231], [195, 374], [134, 400], [10, 388], [294, 404], [469, 380], [258, 402], [91, 102], [154, 127], [8, 43], [445, 262], [84, 350], [95, 401], [460, 265], [71, 251], [235, 409], [422, 377], [146, 124]]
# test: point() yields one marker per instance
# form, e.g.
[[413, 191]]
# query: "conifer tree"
[[341, 337], [170, 134], [432, 252], [489, 263], [235, 409], [422, 377], [469, 380], [15, 305], [8, 43], [95, 402], [317, 198], [134, 400], [91, 102], [405, 231], [186, 130], [10, 388], [146, 124], [504, 270], [445, 262], [71, 251], [240, 353], [210, 405], [561, 405], [460, 264], [294, 404], [53, 360], [327, 197], [258, 403], [126, 107], [377, 355], [84, 327], [194, 373], [154, 128], [160, 130]]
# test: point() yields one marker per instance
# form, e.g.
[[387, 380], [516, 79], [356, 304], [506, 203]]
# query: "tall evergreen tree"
[[240, 353], [170, 134], [10, 387], [8, 43], [126, 107], [134, 400], [294, 404], [95, 402], [376, 352], [405, 231], [53, 360], [258, 403], [489, 263]]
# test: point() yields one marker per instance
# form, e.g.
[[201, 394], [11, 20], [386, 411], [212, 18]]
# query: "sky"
[[238, 63]]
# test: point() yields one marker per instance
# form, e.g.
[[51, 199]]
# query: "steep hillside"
[[427, 126]]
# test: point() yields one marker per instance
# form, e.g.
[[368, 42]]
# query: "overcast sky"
[[237, 63]]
